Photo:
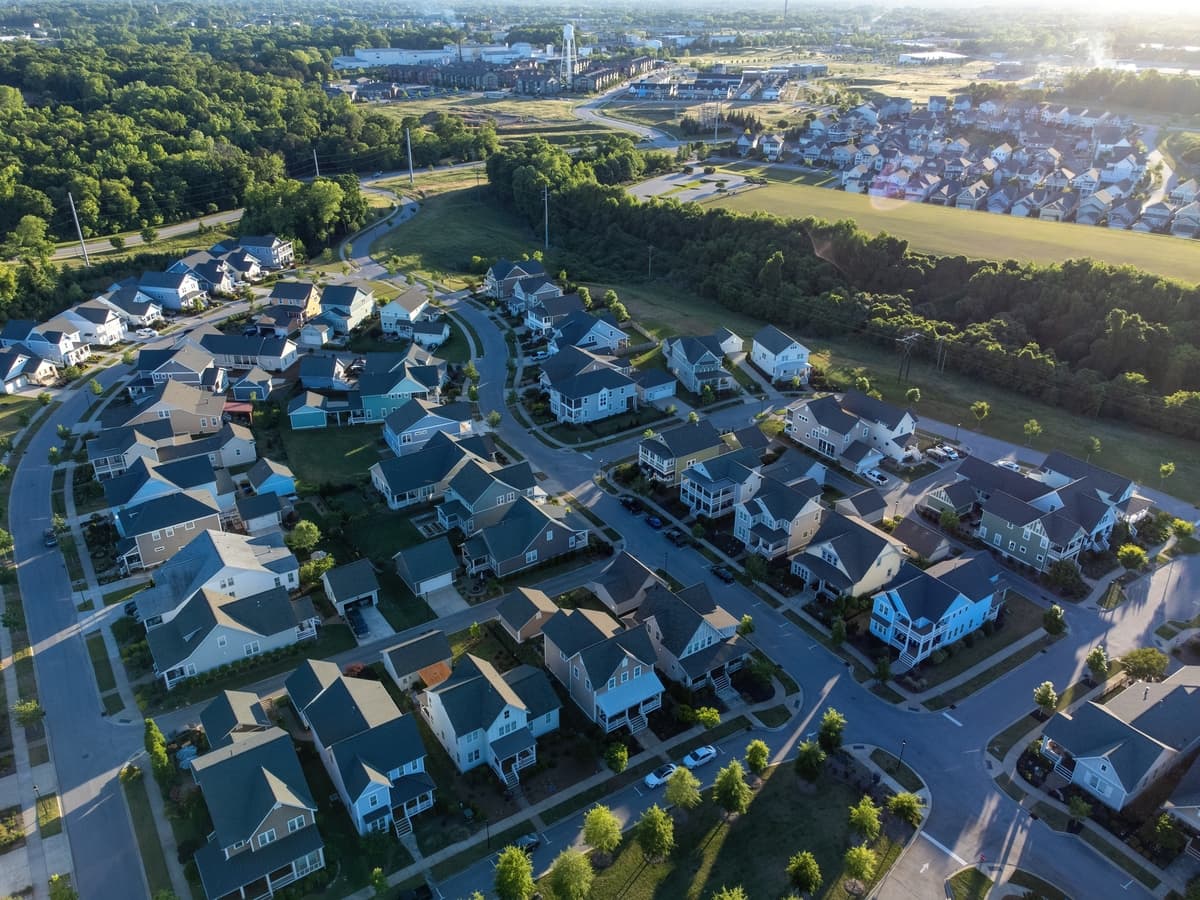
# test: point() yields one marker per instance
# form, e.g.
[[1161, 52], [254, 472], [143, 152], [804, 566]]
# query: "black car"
[[131, 609], [654, 522], [50, 537], [724, 574], [528, 842], [633, 504], [678, 538], [357, 623]]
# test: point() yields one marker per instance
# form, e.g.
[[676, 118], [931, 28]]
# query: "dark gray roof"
[[780, 500], [474, 695], [1009, 509], [184, 474], [419, 653], [585, 385], [866, 503], [112, 441], [244, 345], [685, 440], [534, 689], [557, 307], [264, 469], [857, 451], [366, 757], [351, 581], [308, 680], [857, 546], [774, 340], [1109, 482], [928, 595], [828, 412], [340, 295], [624, 577], [421, 562], [166, 511], [231, 712], [522, 604], [601, 659], [415, 411], [751, 437], [521, 524], [871, 409], [428, 466], [573, 630], [695, 347], [347, 707], [679, 616], [921, 540], [221, 877], [1092, 731], [728, 468], [652, 378]]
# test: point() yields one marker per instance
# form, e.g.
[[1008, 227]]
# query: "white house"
[[97, 324], [848, 557], [779, 356], [409, 428], [58, 340], [398, 316], [695, 638]]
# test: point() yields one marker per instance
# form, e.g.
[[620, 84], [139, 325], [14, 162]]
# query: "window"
[[1026, 534], [156, 535], [1040, 557], [266, 837], [203, 422], [549, 535], [637, 671], [531, 556], [1012, 545], [171, 532], [189, 526], [291, 577], [238, 845], [295, 824], [574, 671], [373, 800], [278, 581], [222, 641], [612, 683], [250, 648], [624, 677]]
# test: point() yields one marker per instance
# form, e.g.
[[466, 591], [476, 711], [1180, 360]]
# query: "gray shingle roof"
[[921, 540], [679, 616], [871, 409], [774, 340], [353, 580], [421, 562], [166, 511], [519, 606], [347, 707], [264, 469], [308, 680], [685, 440], [600, 660], [474, 695], [857, 545], [826, 411], [573, 630], [231, 712], [418, 653], [585, 385]]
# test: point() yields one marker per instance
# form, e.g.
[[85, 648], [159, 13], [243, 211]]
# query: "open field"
[[954, 232], [515, 117]]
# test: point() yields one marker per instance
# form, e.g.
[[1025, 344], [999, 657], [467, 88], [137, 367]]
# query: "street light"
[[956, 427], [36, 794], [900, 761]]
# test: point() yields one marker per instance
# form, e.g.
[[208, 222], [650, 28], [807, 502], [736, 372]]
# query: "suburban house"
[[867, 504], [269, 477], [215, 275], [923, 611], [695, 639], [146, 480], [303, 296], [346, 306], [260, 513], [503, 276], [113, 451], [525, 535], [399, 315], [607, 670], [542, 315], [858, 432], [848, 557], [423, 660], [58, 341], [153, 531], [351, 585], [189, 409], [273, 252], [622, 584], [428, 566], [530, 290], [779, 518], [922, 543], [252, 387], [591, 396], [373, 753], [135, 308], [187, 363], [422, 476], [697, 363], [177, 291], [779, 356], [479, 494], [231, 716], [212, 629], [666, 455], [430, 333], [523, 612], [483, 717], [1117, 749], [411, 426], [264, 835], [97, 324], [714, 486], [21, 369], [600, 333]]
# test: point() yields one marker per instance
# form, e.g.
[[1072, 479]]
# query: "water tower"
[[566, 68]]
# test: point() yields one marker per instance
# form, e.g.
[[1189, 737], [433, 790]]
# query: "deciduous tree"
[[571, 875], [514, 875], [864, 818], [833, 724], [730, 790], [758, 756], [804, 873], [683, 789], [601, 830], [655, 834]]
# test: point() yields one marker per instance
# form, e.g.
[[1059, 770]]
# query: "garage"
[[427, 567]]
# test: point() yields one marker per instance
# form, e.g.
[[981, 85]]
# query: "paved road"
[[103, 245], [591, 111]]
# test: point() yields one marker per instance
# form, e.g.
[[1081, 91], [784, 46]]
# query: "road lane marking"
[[924, 868], [952, 719], [954, 856], [636, 791]]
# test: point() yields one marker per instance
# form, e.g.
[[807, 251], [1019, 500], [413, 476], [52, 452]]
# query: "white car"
[[950, 452], [659, 776], [700, 756], [146, 333], [876, 477], [1009, 464]]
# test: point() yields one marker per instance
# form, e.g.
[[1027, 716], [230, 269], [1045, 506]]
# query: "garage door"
[[434, 584]]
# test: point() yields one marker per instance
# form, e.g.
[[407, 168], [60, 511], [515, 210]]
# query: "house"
[[273, 252], [528, 291], [479, 494], [772, 146], [412, 425], [654, 385], [231, 564], [231, 716], [58, 341], [848, 557], [523, 611], [502, 276], [146, 480], [398, 316], [187, 363], [351, 585], [278, 321], [728, 341], [922, 543], [973, 196], [430, 333], [484, 718], [747, 143], [857, 431], [924, 611], [153, 531], [697, 363], [591, 396], [346, 306], [695, 639], [315, 334], [246, 351], [525, 535], [867, 504], [214, 274], [135, 308], [423, 660], [1157, 216], [386, 380], [252, 387], [1185, 192], [1094, 208], [541, 316], [177, 291], [622, 584], [264, 832], [270, 477], [260, 513], [372, 752], [96, 323], [212, 629], [307, 410], [300, 295], [599, 333], [1125, 214], [189, 409], [1187, 220], [778, 519], [607, 671], [422, 476], [779, 356], [713, 487], [1117, 749], [428, 566], [21, 369], [665, 455]]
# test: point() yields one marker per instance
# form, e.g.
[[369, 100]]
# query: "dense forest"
[[1094, 338], [1148, 90]]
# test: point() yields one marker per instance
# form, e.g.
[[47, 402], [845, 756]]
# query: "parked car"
[[541, 356], [951, 452], [876, 477], [633, 504], [528, 842], [654, 522], [678, 538], [659, 776], [723, 573], [937, 454], [1009, 464], [357, 623], [50, 537], [146, 333], [700, 756]]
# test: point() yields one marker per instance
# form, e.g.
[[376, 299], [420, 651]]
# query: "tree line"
[[1087, 336], [1148, 90]]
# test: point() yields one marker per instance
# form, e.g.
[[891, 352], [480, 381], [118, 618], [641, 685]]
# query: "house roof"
[[572, 630], [349, 706], [563, 305], [920, 540], [533, 687], [827, 412], [475, 694], [1111, 483], [680, 616], [342, 295], [623, 577], [590, 383], [695, 347], [427, 560], [166, 511], [519, 527], [353, 580], [308, 680], [366, 757], [732, 468], [781, 501], [521, 604], [419, 653], [264, 469], [259, 505], [412, 299], [928, 595], [229, 714], [184, 474], [872, 410], [187, 356], [685, 440], [601, 659], [857, 544], [774, 340]]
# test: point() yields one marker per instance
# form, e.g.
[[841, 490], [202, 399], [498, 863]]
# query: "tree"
[[28, 713], [28, 242], [864, 818], [756, 567], [304, 537], [620, 313], [1167, 834], [1053, 620], [1146, 664], [59, 524], [737, 892], [118, 242], [810, 760], [54, 456], [862, 384], [693, 418], [883, 668], [571, 875], [473, 393], [708, 717], [1033, 431], [906, 807], [1165, 471], [514, 875], [1182, 528], [949, 519], [585, 295], [379, 882], [804, 873], [683, 789], [648, 433], [1079, 808], [833, 723], [1097, 663], [61, 889], [837, 632], [913, 395], [95, 387], [493, 419], [601, 830], [655, 833], [860, 862], [746, 625], [610, 297], [312, 570], [617, 757], [6, 543], [1046, 697], [980, 410], [471, 372], [156, 749], [1131, 556], [127, 358], [149, 235], [1091, 447], [44, 398], [730, 791], [758, 756]]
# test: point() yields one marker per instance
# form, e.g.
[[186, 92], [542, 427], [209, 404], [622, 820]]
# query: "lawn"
[[11, 409], [487, 646], [774, 716], [153, 861], [382, 534], [710, 852], [1022, 617], [969, 884], [905, 776], [983, 679], [1039, 886], [122, 594], [49, 815], [595, 431], [331, 455], [105, 678], [954, 232]]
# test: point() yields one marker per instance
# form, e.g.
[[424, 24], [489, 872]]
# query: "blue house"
[[307, 410], [270, 477], [924, 611], [254, 385], [389, 380]]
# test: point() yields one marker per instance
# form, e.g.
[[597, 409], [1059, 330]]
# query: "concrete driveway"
[[446, 601]]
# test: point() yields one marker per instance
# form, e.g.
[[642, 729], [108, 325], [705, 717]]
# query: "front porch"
[[512, 753], [629, 704]]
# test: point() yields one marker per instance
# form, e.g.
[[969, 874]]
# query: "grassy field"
[[154, 862], [969, 884], [11, 409], [337, 455], [515, 117], [954, 232]]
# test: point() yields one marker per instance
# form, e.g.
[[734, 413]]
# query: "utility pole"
[[716, 119], [650, 262], [408, 143], [546, 213], [906, 348], [79, 231], [316, 165]]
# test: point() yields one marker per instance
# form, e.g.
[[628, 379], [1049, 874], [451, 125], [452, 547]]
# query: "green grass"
[[113, 703], [1007, 739], [711, 852], [335, 455], [1052, 816], [470, 329], [1041, 888], [70, 553], [154, 862], [983, 679], [120, 595], [969, 884], [105, 679], [456, 349], [11, 409], [634, 420], [900, 771], [774, 716], [1006, 783], [1114, 596], [1022, 617], [382, 534], [486, 646], [49, 815], [953, 232]]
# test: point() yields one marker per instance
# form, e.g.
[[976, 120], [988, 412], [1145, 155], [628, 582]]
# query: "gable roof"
[[602, 658], [872, 410], [230, 711], [475, 694], [352, 580], [684, 440], [166, 511], [624, 576], [572, 630], [827, 412], [308, 680], [426, 560], [774, 340], [679, 616], [695, 347], [921, 540], [521, 604], [856, 543], [264, 469], [419, 653]]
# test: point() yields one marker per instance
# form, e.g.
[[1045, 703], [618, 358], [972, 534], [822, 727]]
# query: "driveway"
[[446, 601]]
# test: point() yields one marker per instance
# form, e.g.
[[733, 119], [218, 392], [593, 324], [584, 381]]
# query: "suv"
[[724, 574], [876, 477], [633, 504], [528, 842], [50, 537]]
